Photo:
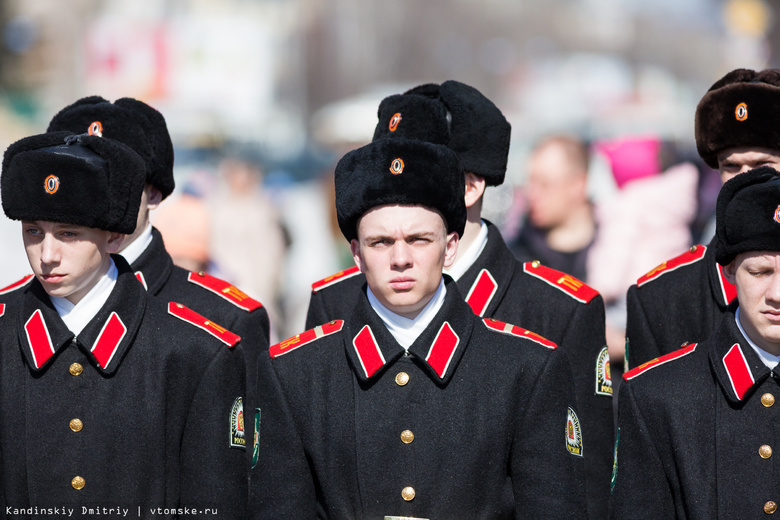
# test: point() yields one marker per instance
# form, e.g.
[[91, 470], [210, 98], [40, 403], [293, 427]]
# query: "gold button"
[[693, 249], [408, 494], [401, 378], [179, 305], [75, 369], [78, 483], [200, 273], [536, 263], [767, 400], [407, 436], [765, 451], [770, 507], [76, 425]]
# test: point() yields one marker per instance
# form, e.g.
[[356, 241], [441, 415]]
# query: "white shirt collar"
[[137, 247], [77, 316], [468, 258], [404, 330], [768, 359]]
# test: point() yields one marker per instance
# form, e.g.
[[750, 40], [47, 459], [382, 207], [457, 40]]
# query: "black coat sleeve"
[[548, 481], [214, 474], [641, 344], [640, 486], [282, 483]]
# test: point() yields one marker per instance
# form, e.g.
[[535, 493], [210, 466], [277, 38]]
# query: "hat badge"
[[394, 121], [741, 112], [777, 215], [52, 183], [96, 128], [397, 166]]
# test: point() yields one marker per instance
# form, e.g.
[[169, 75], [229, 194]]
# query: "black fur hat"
[[399, 171], [740, 109], [477, 130], [748, 214], [74, 179], [130, 121]]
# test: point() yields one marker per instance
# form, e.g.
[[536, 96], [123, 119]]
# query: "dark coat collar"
[[371, 348], [154, 266], [737, 367], [104, 340], [722, 291], [487, 280]]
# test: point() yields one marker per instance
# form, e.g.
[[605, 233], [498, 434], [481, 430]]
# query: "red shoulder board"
[[694, 254], [225, 290], [671, 356], [575, 288], [304, 338], [17, 284], [190, 316], [335, 278], [514, 330]]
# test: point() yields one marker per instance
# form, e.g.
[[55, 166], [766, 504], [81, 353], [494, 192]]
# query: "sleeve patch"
[[193, 318], [17, 284], [335, 278], [573, 433], [304, 338], [237, 430], [603, 374], [224, 290], [671, 356], [566, 283], [693, 255], [514, 330]]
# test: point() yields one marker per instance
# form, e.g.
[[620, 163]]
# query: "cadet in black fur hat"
[[554, 304], [143, 129], [108, 396], [697, 426], [361, 415], [683, 298]]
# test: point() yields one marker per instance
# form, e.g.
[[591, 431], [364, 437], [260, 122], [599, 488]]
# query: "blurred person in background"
[[682, 299], [560, 225], [248, 244], [144, 130], [551, 303], [183, 222]]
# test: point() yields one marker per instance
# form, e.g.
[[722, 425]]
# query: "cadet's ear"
[[730, 272], [451, 250], [354, 246], [115, 241]]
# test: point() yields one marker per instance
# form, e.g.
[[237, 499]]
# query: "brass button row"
[[76, 425]]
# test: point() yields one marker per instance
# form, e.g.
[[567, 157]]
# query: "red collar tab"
[[108, 340], [192, 317], [17, 284], [335, 278], [727, 289], [575, 288], [2, 309], [644, 367], [140, 277], [368, 352], [738, 371], [482, 292], [304, 338], [443, 349], [694, 254], [514, 330], [38, 339], [225, 290]]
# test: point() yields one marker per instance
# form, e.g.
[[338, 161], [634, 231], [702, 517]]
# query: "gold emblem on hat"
[[51, 184], [741, 112], [96, 128], [397, 166], [394, 121]]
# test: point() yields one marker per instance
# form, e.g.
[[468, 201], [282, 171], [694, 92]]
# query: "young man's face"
[[757, 277], [734, 161], [402, 251], [67, 259]]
